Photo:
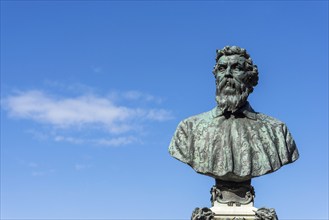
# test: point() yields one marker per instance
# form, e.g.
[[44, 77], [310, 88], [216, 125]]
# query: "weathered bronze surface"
[[266, 214], [238, 193], [232, 142], [202, 214]]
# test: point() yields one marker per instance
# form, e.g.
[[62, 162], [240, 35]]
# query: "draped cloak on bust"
[[234, 147]]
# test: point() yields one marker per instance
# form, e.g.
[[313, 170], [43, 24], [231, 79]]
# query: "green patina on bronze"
[[232, 142]]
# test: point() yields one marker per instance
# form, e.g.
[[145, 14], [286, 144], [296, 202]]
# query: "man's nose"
[[228, 72]]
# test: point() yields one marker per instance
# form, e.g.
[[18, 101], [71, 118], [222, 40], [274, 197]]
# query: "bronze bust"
[[232, 142]]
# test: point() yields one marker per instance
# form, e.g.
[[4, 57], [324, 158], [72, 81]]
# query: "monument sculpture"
[[233, 143]]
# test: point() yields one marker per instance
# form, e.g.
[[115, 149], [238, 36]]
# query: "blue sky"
[[92, 92]]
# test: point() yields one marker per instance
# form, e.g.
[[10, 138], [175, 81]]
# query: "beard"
[[231, 94]]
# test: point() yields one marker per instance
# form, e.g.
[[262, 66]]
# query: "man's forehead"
[[231, 59]]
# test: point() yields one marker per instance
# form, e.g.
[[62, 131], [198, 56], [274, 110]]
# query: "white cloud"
[[80, 167], [135, 96], [75, 88], [159, 115], [107, 142], [78, 111], [71, 140], [85, 112], [118, 141], [42, 173], [32, 165], [66, 111], [96, 69], [38, 173]]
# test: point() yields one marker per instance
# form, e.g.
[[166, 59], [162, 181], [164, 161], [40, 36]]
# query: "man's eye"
[[237, 67], [221, 68]]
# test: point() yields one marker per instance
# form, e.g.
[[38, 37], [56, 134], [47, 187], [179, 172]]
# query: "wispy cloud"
[[65, 112], [77, 111], [106, 142], [32, 165], [117, 141], [73, 88], [86, 111], [42, 173], [72, 140], [159, 114], [79, 167], [96, 69], [135, 96]]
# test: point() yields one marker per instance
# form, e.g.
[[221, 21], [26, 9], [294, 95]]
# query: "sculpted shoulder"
[[199, 118], [269, 120]]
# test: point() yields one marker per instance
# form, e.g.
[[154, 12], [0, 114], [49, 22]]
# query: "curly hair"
[[250, 67]]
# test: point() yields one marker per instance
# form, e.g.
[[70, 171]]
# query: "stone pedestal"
[[234, 212], [233, 201]]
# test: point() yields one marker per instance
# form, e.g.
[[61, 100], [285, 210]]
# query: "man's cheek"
[[219, 78], [241, 77]]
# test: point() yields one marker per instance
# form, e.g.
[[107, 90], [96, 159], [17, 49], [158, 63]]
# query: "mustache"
[[231, 82]]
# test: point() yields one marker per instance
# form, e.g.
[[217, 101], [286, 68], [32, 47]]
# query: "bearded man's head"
[[236, 75]]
